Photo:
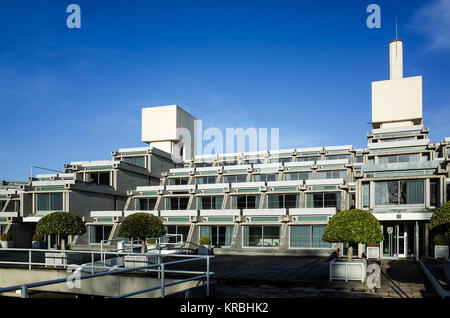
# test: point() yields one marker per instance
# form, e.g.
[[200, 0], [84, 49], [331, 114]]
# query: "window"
[[177, 229], [332, 174], [245, 201], [178, 181], [366, 195], [281, 160], [13, 206], [334, 157], [235, 178], [280, 201], [209, 202], [426, 157], [298, 176], [434, 192], [205, 180], [261, 236], [229, 163], [137, 161], [399, 192], [98, 233], [219, 235], [145, 204], [351, 201], [307, 236], [98, 178], [315, 158], [49, 201], [204, 164], [359, 159], [265, 177], [399, 158], [177, 203], [323, 200]]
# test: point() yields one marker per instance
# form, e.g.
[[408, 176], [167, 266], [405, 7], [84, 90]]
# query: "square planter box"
[[373, 252], [340, 269], [132, 261], [59, 258], [6, 244], [440, 251]]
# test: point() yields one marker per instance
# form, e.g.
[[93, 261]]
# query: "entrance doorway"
[[398, 240]]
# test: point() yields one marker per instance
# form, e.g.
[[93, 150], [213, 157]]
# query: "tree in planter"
[[141, 226], [60, 223], [440, 222], [353, 226]]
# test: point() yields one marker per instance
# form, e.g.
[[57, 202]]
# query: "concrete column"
[[426, 234]]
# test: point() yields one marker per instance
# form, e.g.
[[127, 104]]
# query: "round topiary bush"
[[353, 226], [440, 240], [141, 226], [205, 240], [440, 221], [60, 223], [5, 237]]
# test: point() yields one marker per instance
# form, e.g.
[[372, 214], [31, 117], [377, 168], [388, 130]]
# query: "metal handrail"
[[161, 270]]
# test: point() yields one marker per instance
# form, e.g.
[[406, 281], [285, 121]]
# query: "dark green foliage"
[[62, 223], [37, 237], [141, 226], [353, 226], [440, 240], [6, 237], [440, 221], [204, 240]]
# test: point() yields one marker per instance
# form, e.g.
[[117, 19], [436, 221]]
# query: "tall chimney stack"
[[395, 59]]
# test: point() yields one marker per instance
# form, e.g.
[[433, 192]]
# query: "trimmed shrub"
[[440, 240], [440, 221], [6, 237], [353, 226], [62, 223], [205, 240], [141, 226], [37, 237]]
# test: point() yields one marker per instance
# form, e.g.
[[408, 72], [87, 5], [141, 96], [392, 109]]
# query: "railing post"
[[24, 291], [163, 292], [29, 260], [207, 276], [92, 263]]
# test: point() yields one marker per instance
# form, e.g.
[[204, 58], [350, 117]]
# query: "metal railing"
[[159, 267]]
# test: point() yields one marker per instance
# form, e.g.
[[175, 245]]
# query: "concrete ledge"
[[273, 252]]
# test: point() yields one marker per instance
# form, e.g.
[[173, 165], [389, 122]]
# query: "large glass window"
[[235, 178], [298, 175], [265, 177], [209, 202], [323, 200], [177, 203], [245, 201], [261, 236], [205, 180], [178, 181], [13, 206], [99, 178], [434, 192], [315, 158], [334, 157], [307, 236], [366, 194], [399, 158], [98, 233], [279, 201], [177, 229], [137, 161], [399, 192], [332, 174], [219, 235], [49, 201], [145, 204]]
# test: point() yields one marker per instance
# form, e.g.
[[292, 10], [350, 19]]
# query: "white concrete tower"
[[395, 59]]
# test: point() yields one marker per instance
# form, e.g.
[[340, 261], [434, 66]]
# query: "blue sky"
[[304, 67]]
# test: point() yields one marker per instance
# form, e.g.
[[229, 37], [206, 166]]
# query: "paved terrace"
[[288, 277]]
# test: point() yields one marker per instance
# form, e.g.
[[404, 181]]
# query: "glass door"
[[401, 240]]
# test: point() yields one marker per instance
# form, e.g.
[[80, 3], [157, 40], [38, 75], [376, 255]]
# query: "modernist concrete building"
[[268, 202]]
